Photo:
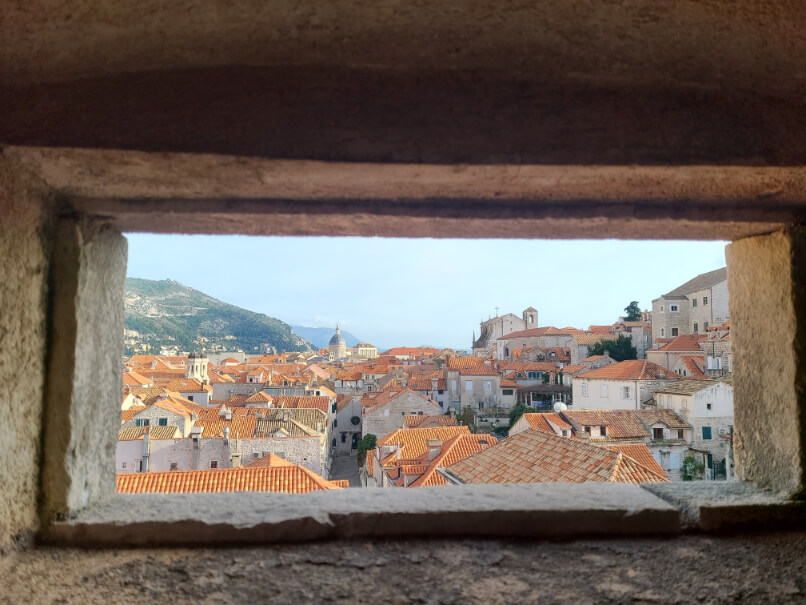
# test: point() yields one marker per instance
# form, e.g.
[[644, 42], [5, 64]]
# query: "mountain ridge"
[[167, 313]]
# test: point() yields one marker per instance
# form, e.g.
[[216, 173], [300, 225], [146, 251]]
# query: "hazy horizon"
[[411, 292]]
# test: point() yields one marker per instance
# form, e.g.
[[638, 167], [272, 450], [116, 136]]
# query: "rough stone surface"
[[547, 510], [758, 568], [438, 117], [84, 370], [24, 243], [756, 46], [766, 277], [723, 506], [220, 194]]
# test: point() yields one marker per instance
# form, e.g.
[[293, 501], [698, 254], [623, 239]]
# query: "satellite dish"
[[559, 406]]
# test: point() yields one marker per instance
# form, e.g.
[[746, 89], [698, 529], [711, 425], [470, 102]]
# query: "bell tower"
[[530, 318]]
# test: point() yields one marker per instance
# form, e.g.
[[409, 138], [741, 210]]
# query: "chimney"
[[146, 449], [434, 448], [226, 434], [235, 460]]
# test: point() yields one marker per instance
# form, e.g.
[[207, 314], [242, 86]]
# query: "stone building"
[[626, 385], [385, 412], [498, 326], [197, 367], [337, 348], [692, 307], [473, 383], [347, 424], [708, 406]]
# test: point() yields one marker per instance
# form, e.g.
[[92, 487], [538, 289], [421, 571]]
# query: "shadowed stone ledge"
[[533, 511], [721, 506]]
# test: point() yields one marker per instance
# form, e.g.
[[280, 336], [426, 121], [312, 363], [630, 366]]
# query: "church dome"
[[338, 339]]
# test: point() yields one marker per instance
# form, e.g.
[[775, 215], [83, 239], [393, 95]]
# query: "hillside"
[[167, 313], [320, 337]]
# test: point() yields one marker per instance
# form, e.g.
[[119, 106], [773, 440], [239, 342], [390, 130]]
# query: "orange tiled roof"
[[413, 441], [155, 432], [414, 421], [319, 402], [241, 427], [423, 383], [684, 342], [414, 351], [572, 368], [634, 369], [148, 395], [270, 460], [285, 479], [666, 416], [640, 453], [186, 384], [217, 378], [133, 379], [454, 450], [694, 368], [621, 424], [540, 421], [536, 457], [471, 366], [126, 415], [527, 333], [259, 397], [588, 339], [373, 401]]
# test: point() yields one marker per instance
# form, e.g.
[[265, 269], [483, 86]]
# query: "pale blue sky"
[[409, 292]]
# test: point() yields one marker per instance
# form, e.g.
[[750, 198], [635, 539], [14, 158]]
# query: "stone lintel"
[[199, 193], [517, 511]]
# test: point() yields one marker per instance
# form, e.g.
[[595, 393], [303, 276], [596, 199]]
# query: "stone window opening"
[[93, 235]]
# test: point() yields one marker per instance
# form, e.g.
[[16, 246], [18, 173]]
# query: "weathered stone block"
[[88, 268], [767, 283], [23, 302]]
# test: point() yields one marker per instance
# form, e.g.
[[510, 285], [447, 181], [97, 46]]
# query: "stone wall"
[[390, 416], [24, 250]]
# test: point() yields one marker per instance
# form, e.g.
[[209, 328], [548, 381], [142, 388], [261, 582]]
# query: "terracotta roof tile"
[[635, 369], [414, 421], [684, 343], [621, 424], [155, 432], [413, 441], [640, 453], [693, 365], [536, 457], [292, 479]]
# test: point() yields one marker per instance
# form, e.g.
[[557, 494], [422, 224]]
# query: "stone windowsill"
[[502, 511]]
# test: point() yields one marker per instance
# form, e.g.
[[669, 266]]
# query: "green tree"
[[467, 417], [691, 470], [633, 311], [366, 444], [516, 413], [619, 349]]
